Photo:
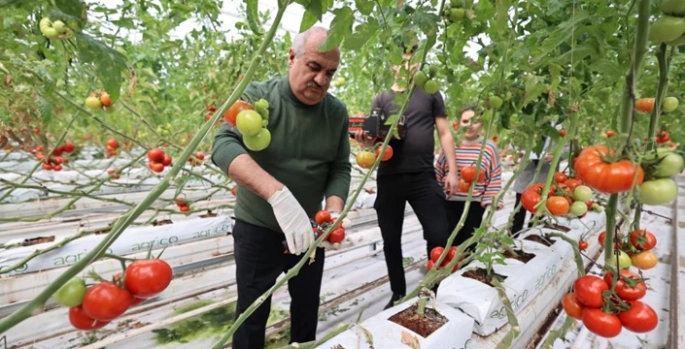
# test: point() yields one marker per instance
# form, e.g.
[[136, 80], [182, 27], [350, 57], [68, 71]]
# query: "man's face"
[[472, 126], [311, 73], [408, 66]]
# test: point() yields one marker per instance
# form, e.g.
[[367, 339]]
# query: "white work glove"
[[293, 220]]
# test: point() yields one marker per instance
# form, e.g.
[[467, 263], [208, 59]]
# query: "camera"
[[376, 125]]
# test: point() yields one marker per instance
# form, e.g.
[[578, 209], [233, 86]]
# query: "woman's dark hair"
[[476, 110]]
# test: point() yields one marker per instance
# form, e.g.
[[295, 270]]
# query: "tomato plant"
[[148, 277]]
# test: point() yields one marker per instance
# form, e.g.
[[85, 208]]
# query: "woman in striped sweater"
[[466, 154]]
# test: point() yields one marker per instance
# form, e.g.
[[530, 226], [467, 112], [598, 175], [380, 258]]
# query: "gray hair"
[[301, 39]]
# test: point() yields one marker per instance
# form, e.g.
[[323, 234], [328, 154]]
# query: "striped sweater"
[[466, 155]]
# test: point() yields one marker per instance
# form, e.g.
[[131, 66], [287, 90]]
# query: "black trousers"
[[426, 197], [474, 218], [259, 260]]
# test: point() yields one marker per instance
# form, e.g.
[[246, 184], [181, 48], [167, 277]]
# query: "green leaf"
[[308, 20], [365, 7], [426, 21], [362, 34], [315, 8], [502, 16], [560, 35], [7, 3], [253, 16], [73, 8], [109, 64], [341, 27], [605, 66], [45, 109]]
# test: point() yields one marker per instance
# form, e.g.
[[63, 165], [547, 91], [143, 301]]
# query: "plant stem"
[[627, 117]]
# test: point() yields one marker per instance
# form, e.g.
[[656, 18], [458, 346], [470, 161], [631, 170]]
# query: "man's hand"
[[549, 157], [451, 185], [364, 140], [293, 220]]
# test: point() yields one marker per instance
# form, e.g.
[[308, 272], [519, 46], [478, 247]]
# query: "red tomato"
[[640, 318], [156, 166], [232, 112], [610, 133], [600, 323], [572, 307], [105, 99], [630, 286], [642, 240], [596, 173], [436, 252], [589, 289], [166, 160], [451, 253], [572, 183], [430, 264], [562, 133], [155, 155], [112, 143], [147, 278], [662, 137], [322, 216], [69, 147], [106, 301], [531, 197], [644, 105], [81, 321], [560, 177], [557, 205], [464, 186], [582, 245], [337, 235], [468, 174], [387, 155]]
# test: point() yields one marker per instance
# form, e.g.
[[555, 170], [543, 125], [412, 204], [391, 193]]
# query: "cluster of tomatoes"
[[605, 309], [112, 147], [99, 100], [54, 162], [467, 176], [567, 196], [660, 166], [251, 121], [634, 249], [366, 158], [669, 27], [92, 307], [324, 220], [435, 254], [182, 204], [427, 79], [158, 159]]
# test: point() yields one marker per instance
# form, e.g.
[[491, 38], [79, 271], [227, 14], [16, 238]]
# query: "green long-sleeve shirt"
[[309, 151]]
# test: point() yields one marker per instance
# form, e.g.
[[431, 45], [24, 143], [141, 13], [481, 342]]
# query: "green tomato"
[[93, 103], [71, 294], [666, 28], [431, 87], [455, 3], [259, 141], [673, 7], [456, 14], [495, 102], [669, 104], [59, 26], [582, 193], [263, 104], [658, 192], [670, 165], [578, 208], [597, 207], [624, 260], [420, 79], [677, 42], [249, 122]]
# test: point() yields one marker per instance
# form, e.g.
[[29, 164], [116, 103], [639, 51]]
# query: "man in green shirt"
[[282, 187]]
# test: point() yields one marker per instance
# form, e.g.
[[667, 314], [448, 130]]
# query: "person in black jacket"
[[409, 176]]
